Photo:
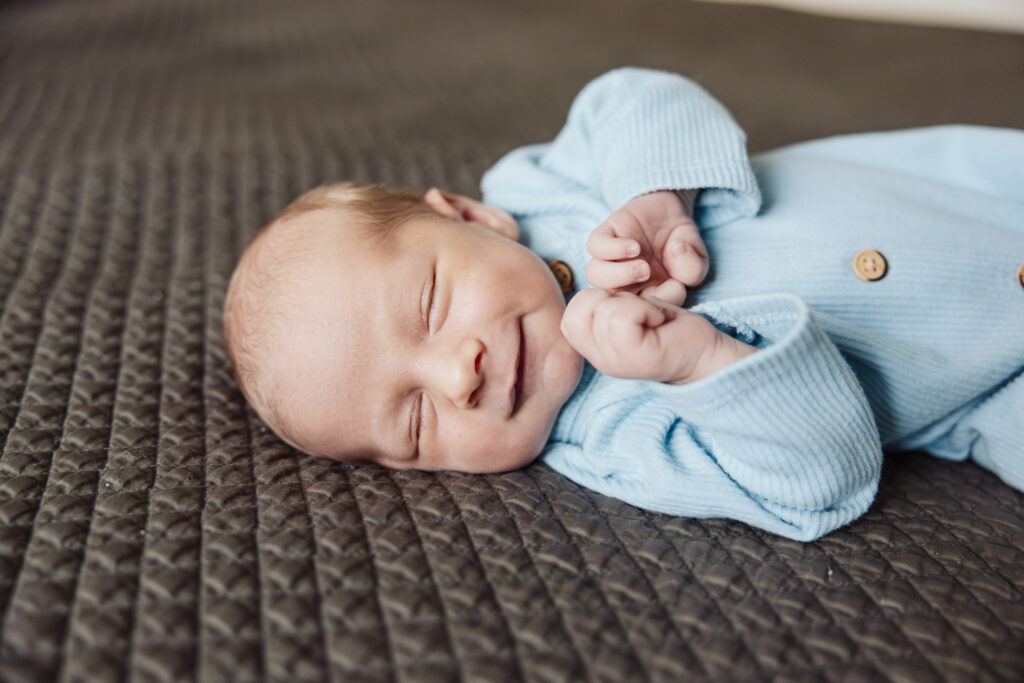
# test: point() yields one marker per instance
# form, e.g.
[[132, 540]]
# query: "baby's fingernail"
[[640, 271], [678, 247], [633, 250]]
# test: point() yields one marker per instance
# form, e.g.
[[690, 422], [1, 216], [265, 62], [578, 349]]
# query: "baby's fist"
[[633, 337]]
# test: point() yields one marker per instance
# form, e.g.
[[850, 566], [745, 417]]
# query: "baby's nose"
[[459, 376]]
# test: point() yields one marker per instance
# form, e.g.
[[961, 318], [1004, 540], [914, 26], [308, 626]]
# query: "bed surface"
[[151, 528]]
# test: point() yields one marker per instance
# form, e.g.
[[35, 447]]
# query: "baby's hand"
[[633, 337], [650, 246]]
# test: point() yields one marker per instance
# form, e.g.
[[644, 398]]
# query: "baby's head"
[[372, 324]]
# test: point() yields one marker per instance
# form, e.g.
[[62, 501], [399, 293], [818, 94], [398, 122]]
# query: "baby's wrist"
[[722, 352], [688, 198]]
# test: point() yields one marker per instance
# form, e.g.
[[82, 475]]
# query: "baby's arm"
[[783, 439], [634, 337], [631, 132]]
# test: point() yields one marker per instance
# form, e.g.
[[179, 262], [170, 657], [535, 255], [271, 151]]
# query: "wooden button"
[[869, 265], [563, 273], [1020, 275]]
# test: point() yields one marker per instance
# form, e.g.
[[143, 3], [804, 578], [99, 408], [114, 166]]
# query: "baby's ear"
[[462, 208]]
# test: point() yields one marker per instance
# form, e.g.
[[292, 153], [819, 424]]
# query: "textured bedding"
[[151, 528]]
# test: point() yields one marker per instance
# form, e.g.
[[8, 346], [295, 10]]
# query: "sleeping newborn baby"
[[856, 293], [371, 324]]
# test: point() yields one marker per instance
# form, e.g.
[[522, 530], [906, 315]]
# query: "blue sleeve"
[[629, 132], [783, 440]]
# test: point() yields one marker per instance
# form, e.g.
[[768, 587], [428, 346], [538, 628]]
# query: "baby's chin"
[[501, 463]]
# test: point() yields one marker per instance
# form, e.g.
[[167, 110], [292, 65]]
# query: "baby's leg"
[[993, 434]]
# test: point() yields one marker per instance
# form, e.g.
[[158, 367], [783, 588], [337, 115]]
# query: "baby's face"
[[440, 350]]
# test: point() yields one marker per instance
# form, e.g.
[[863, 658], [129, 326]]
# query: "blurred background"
[[104, 76], [996, 15]]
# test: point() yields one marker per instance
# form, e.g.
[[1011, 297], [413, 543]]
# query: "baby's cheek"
[[523, 450], [531, 436], [528, 441], [505, 447]]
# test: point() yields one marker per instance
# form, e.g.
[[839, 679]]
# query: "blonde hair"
[[259, 293]]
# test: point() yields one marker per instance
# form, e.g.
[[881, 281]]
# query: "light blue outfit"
[[790, 438]]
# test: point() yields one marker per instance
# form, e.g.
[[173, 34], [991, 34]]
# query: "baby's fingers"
[[605, 245], [623, 321], [617, 274], [670, 290], [685, 257], [617, 331]]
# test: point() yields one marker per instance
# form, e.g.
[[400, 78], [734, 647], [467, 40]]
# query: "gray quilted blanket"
[[152, 529]]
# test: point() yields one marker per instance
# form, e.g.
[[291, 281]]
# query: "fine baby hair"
[[259, 292]]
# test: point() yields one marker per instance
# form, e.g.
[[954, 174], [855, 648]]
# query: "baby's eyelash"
[[418, 418], [433, 298]]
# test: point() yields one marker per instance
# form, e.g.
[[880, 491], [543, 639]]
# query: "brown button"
[[869, 265], [1020, 275], [563, 273]]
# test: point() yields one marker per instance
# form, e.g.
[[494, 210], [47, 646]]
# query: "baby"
[[864, 292]]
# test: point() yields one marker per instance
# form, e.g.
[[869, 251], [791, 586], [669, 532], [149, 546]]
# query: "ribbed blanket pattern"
[[151, 529]]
